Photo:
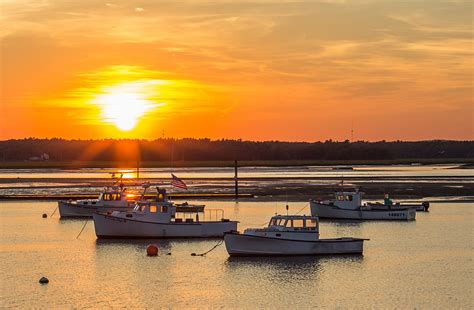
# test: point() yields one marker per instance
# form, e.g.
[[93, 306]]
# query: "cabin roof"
[[349, 193], [294, 217]]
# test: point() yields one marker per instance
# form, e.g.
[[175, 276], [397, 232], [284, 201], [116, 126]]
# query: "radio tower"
[[352, 131]]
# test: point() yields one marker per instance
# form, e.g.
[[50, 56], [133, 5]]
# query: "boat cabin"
[[111, 196], [294, 223], [348, 200], [161, 212]]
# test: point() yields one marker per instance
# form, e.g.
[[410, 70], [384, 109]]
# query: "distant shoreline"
[[465, 163]]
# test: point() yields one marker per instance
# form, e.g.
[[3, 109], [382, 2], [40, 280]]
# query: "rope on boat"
[[302, 209], [82, 229], [54, 211], [212, 249]]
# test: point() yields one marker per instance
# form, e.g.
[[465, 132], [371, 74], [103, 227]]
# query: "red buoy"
[[152, 250]]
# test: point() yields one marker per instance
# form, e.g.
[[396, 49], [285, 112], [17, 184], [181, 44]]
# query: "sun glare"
[[124, 104]]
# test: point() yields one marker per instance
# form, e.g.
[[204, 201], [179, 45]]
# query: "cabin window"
[[344, 197], [278, 222], [153, 209], [297, 223], [311, 223], [164, 209]]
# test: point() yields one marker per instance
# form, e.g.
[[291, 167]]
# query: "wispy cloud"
[[297, 58]]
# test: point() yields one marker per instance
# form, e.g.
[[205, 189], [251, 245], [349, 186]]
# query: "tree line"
[[169, 149]]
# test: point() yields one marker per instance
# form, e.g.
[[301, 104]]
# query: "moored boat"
[[289, 235], [348, 205], [159, 219], [112, 198], [389, 204]]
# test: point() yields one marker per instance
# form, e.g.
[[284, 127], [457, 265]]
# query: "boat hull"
[[333, 212], [250, 245], [68, 209], [423, 207], [110, 226]]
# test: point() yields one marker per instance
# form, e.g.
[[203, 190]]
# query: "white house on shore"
[[42, 157]]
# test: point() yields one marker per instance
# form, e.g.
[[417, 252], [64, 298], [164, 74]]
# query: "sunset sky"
[[256, 70]]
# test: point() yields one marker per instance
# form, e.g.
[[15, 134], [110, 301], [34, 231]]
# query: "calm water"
[[249, 172], [422, 264]]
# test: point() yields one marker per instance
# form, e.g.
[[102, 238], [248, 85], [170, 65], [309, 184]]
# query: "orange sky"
[[256, 70]]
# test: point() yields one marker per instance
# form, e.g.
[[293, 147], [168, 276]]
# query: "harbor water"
[[427, 263]]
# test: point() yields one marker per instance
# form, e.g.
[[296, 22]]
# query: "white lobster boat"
[[115, 198], [158, 219], [389, 204], [289, 235], [348, 206], [112, 198]]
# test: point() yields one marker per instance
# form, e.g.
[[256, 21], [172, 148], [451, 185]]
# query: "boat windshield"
[[277, 222], [139, 207], [296, 223], [344, 197]]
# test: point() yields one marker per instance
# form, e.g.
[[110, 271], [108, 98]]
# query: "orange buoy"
[[152, 250]]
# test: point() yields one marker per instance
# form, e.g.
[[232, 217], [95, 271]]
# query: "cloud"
[[294, 57]]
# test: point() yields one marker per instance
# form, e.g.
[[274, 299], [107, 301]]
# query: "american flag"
[[177, 182]]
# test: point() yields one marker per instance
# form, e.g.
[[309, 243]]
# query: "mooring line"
[[54, 211], [302, 209], [82, 229], [213, 248]]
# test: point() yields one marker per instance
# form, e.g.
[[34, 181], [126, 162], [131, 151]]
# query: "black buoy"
[[45, 215], [169, 253], [44, 280]]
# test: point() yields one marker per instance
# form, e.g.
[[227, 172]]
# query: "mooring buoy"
[[45, 215], [43, 280], [152, 250]]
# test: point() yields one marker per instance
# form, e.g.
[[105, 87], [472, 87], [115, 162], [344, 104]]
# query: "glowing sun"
[[124, 104]]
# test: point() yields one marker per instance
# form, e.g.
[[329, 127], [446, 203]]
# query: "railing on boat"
[[207, 215]]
